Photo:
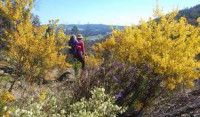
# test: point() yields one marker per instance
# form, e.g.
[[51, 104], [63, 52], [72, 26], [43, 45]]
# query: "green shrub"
[[44, 106], [99, 105]]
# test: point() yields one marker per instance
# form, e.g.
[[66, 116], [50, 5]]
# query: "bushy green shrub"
[[134, 87], [99, 105], [44, 106]]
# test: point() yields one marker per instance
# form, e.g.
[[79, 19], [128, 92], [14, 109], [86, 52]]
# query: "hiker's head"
[[73, 36], [79, 37]]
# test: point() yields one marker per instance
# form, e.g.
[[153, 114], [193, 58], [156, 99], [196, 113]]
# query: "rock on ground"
[[1, 72]]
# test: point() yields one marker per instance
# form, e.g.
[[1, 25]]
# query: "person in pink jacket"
[[80, 54]]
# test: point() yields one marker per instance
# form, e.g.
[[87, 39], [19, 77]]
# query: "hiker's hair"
[[73, 35]]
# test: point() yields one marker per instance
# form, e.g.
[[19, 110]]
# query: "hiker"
[[80, 51], [73, 42]]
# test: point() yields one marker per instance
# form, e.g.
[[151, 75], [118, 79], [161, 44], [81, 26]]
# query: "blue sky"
[[112, 12]]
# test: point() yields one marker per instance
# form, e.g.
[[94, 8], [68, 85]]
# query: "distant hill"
[[100, 29], [91, 29], [191, 14]]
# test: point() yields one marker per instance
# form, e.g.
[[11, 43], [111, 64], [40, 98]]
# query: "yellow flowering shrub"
[[33, 50], [167, 45], [15, 11], [92, 61]]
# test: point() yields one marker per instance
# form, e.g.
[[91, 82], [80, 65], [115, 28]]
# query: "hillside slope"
[[178, 106], [92, 29], [191, 14]]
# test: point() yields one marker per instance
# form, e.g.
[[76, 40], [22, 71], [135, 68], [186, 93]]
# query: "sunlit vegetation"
[[125, 75]]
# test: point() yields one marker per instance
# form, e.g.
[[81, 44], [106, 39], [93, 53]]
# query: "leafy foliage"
[[5, 97], [75, 30], [39, 108], [99, 105], [35, 20]]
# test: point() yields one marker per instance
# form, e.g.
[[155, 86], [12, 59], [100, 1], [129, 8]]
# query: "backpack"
[[72, 43]]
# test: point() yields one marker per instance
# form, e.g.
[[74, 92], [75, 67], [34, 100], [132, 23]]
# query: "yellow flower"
[[198, 20], [7, 97], [170, 86], [179, 79], [190, 84], [6, 115], [138, 105], [42, 95], [171, 80]]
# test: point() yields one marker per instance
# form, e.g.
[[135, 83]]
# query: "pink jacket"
[[80, 46]]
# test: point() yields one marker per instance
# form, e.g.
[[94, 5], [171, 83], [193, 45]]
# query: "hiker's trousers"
[[79, 57]]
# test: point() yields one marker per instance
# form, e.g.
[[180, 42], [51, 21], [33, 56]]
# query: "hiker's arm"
[[78, 46]]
